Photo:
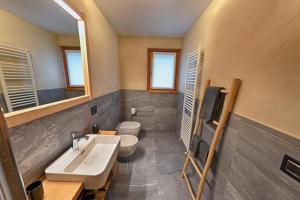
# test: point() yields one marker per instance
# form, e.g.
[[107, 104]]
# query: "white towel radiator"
[[17, 79], [191, 91]]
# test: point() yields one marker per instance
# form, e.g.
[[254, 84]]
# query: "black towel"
[[202, 153], [212, 98], [195, 144], [219, 107]]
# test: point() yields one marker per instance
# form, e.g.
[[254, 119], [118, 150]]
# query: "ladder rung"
[[215, 122], [195, 165], [189, 186]]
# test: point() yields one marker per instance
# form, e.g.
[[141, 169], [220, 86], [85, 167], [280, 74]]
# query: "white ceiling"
[[44, 13], [167, 18]]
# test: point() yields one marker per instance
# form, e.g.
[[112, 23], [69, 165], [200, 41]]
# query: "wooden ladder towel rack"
[[230, 97]]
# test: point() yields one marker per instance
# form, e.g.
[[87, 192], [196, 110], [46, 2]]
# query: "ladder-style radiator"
[[191, 90], [17, 79]]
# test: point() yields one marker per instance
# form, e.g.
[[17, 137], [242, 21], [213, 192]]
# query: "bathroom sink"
[[90, 164]]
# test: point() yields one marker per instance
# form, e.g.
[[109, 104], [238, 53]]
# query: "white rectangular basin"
[[90, 164]]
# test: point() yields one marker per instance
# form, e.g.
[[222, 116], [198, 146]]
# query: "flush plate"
[[94, 110]]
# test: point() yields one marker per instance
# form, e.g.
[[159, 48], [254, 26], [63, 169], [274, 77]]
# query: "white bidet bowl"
[[128, 145]]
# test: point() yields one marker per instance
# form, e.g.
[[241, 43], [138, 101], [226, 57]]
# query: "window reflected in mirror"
[[40, 57], [73, 67]]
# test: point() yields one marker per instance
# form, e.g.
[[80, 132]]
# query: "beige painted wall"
[[258, 42], [68, 40], [42, 45], [103, 48], [133, 58]]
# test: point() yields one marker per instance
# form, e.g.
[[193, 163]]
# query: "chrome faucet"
[[76, 136]]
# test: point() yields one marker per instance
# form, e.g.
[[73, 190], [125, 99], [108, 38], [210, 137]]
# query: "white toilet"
[[128, 131], [129, 128]]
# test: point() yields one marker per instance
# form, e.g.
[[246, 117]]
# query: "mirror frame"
[[23, 116]]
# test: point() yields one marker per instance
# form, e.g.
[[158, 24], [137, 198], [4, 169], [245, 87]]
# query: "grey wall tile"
[[57, 94], [50, 95], [165, 119], [109, 110], [73, 93], [247, 163], [38, 143], [156, 112]]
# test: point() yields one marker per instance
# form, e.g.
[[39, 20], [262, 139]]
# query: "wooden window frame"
[[66, 69], [149, 70]]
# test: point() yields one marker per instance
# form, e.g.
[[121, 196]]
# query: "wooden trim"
[[83, 36], [75, 89], [15, 183], [185, 164], [189, 184], [149, 66], [29, 114], [196, 167], [105, 132], [149, 70], [70, 47], [62, 190], [162, 91]]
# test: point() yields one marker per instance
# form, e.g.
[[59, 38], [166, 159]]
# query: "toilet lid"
[[128, 140], [129, 125]]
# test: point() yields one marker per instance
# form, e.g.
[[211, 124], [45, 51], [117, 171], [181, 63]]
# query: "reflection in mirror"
[[40, 59]]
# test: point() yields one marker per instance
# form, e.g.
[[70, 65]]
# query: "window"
[[163, 67], [73, 67]]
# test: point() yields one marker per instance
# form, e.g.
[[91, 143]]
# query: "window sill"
[[162, 91], [74, 88]]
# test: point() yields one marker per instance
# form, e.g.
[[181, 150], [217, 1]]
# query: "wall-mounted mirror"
[[41, 60]]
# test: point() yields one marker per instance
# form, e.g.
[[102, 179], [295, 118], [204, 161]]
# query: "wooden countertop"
[[54, 190], [103, 132]]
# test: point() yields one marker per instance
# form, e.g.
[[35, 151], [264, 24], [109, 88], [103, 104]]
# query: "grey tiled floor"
[[152, 173]]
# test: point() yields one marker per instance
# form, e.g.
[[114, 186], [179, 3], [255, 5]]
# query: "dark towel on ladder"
[[195, 144], [211, 98], [202, 153], [199, 148]]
